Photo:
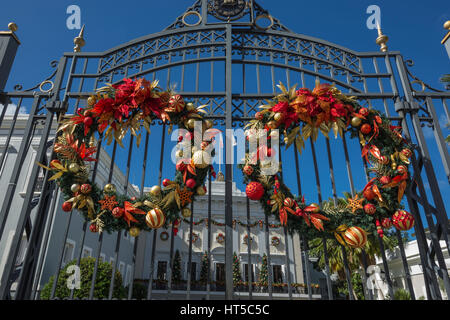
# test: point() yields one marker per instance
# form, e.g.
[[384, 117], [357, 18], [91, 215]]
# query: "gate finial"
[[382, 39], [79, 41], [12, 26]]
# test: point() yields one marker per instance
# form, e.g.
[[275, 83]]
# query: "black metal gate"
[[228, 60]]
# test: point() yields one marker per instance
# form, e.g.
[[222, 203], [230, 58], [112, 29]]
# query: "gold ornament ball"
[[316, 207], [286, 140], [109, 188], [155, 191], [201, 191], [74, 167], [191, 124], [208, 124], [190, 106], [186, 212], [201, 159], [278, 116], [91, 101], [134, 232], [75, 187], [155, 218], [356, 122], [179, 154]]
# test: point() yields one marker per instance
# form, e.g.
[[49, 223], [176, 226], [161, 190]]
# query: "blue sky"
[[415, 28]]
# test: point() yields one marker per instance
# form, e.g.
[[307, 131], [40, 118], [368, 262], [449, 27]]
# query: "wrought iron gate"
[[228, 60]]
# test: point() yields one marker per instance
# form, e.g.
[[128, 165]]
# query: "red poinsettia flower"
[[124, 92]]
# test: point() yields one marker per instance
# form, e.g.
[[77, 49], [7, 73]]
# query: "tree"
[[102, 281], [236, 269], [204, 269], [176, 270], [263, 273]]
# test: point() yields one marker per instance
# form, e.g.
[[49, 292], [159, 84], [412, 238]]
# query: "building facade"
[[59, 247]]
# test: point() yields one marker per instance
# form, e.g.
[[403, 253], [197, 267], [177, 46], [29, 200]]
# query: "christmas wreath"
[[112, 112], [300, 115], [164, 236], [220, 238], [275, 241]]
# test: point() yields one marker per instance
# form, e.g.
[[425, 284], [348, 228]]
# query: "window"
[[162, 270], [112, 261], [69, 250], [102, 257], [87, 252], [220, 272], [246, 272], [193, 271], [277, 274]]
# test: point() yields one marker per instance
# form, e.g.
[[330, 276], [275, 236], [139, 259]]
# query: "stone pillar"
[[8, 48]]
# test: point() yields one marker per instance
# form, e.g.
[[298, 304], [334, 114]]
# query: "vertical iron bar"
[[208, 279], [347, 273], [119, 233], [228, 170], [189, 266], [152, 262], [144, 169], [100, 238], [405, 264]]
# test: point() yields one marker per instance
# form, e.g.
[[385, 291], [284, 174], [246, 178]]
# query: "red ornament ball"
[[366, 128], [254, 190], [288, 202], [384, 160], [67, 206], [93, 228], [402, 169], [407, 152], [364, 112], [355, 237], [248, 170], [259, 116], [176, 103], [386, 223], [385, 179], [191, 183], [370, 208], [403, 220], [86, 188], [166, 182], [88, 121], [118, 212]]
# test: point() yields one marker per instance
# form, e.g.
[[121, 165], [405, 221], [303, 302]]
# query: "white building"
[[59, 223], [397, 271]]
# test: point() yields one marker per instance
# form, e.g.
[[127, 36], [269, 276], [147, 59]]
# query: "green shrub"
[[102, 282], [139, 291], [402, 294]]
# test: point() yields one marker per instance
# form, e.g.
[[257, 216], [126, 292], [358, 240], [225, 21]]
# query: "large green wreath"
[[300, 115], [112, 112]]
